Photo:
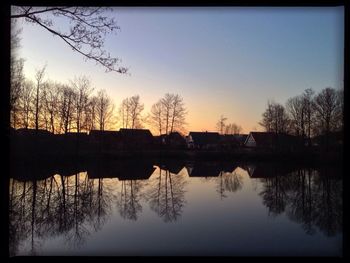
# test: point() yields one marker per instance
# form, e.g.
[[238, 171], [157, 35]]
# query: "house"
[[265, 170], [136, 138], [260, 139], [333, 139], [229, 141], [173, 140], [104, 141], [203, 169], [173, 166], [40, 133], [241, 138], [97, 135], [121, 169], [271, 140], [203, 140], [75, 136]]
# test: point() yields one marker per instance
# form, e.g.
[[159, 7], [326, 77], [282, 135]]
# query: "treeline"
[[76, 107], [307, 115]]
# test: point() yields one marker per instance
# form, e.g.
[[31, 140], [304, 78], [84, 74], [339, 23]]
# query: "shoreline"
[[188, 155]]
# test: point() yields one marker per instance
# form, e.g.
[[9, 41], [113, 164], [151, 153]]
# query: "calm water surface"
[[176, 208]]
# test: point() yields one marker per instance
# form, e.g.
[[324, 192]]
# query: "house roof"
[[29, 132], [241, 137], [202, 138], [136, 133], [173, 166], [270, 170], [229, 138], [271, 138], [102, 133], [173, 137], [203, 169], [75, 134]]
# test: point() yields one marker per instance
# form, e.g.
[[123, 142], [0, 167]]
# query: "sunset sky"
[[222, 61]]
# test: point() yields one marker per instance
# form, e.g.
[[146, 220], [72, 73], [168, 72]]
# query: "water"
[[176, 208]]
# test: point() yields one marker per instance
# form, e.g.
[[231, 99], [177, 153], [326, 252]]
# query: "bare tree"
[[136, 107], [26, 99], [233, 128], [82, 89], [104, 109], [309, 112], [327, 109], [51, 104], [17, 77], [124, 113], [156, 116], [275, 118], [167, 106], [296, 109], [39, 77], [86, 34], [220, 125], [340, 119], [178, 113], [66, 110], [17, 80], [91, 114], [267, 119]]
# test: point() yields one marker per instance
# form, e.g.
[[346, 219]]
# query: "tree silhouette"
[[167, 195], [86, 34], [128, 201], [220, 125], [275, 118], [60, 205]]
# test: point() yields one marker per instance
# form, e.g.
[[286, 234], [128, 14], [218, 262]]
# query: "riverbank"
[[237, 155]]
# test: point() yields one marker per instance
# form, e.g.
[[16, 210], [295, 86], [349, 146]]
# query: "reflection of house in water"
[[123, 169], [24, 170], [265, 170], [173, 166], [209, 169]]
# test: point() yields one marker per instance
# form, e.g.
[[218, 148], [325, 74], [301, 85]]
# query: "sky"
[[223, 61]]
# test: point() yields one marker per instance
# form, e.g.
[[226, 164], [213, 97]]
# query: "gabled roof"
[[173, 166], [203, 169], [173, 137], [271, 138], [75, 134], [202, 138], [229, 139], [135, 132], [263, 138], [30, 132], [241, 137], [101, 133]]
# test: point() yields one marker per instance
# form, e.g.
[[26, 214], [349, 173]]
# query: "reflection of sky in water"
[[211, 219]]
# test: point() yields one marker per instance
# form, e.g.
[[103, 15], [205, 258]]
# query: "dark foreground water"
[[176, 208]]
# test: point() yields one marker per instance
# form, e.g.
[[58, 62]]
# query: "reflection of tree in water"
[[54, 206], [302, 199], [167, 195], [329, 205], [128, 200], [312, 198], [274, 194], [230, 182]]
